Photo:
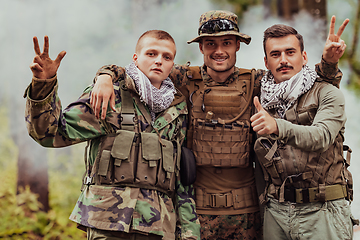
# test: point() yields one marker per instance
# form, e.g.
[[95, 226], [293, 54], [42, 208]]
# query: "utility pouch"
[[166, 171], [187, 167], [149, 157], [270, 159], [123, 152]]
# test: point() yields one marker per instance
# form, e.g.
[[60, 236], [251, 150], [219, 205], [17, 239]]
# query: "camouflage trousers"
[[97, 234], [242, 226]]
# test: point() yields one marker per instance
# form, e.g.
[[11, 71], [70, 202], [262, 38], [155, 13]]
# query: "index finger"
[[332, 25], [342, 27], [36, 46]]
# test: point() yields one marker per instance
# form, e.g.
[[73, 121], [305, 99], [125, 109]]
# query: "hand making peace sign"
[[334, 45], [42, 66]]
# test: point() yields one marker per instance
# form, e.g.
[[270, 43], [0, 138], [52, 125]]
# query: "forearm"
[[52, 127], [114, 71], [189, 222], [307, 138], [41, 88], [329, 72], [329, 120]]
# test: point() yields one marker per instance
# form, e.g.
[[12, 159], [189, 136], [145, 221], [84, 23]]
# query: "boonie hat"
[[219, 23]]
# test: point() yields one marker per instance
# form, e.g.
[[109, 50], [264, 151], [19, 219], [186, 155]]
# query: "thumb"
[[257, 104]]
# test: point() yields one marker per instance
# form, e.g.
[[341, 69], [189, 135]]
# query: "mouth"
[[219, 59], [284, 68], [157, 70]]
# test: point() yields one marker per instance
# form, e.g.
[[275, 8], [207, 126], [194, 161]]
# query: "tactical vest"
[[299, 176], [219, 129], [128, 157]]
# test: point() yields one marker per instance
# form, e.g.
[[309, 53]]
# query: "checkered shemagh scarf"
[[157, 100], [283, 95]]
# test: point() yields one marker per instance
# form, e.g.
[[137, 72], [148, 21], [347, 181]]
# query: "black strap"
[[127, 108]]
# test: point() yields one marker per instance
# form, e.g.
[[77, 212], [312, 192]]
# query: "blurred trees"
[[352, 54]]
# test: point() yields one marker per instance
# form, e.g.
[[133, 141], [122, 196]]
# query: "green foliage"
[[20, 217]]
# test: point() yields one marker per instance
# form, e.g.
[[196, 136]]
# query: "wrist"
[[35, 79]]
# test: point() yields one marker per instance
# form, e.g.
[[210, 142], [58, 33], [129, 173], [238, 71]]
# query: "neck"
[[220, 77]]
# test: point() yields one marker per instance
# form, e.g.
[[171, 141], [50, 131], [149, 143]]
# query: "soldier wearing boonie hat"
[[219, 23], [219, 98]]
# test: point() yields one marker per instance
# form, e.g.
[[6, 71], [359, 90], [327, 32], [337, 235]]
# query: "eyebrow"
[[275, 51]]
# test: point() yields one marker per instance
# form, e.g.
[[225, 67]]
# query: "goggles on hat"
[[218, 25]]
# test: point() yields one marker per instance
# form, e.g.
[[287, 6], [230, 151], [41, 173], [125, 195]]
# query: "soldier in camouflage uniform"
[[127, 194], [219, 97]]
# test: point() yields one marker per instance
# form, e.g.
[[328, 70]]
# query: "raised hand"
[[261, 121], [102, 93], [42, 66], [334, 45]]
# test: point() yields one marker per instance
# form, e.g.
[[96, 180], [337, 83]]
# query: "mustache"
[[284, 66]]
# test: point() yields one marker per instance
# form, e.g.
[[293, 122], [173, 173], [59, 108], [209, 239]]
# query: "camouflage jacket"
[[127, 209]]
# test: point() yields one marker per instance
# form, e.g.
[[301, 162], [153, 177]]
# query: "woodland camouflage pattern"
[[241, 226], [110, 207]]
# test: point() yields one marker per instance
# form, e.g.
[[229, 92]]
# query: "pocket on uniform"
[[166, 176], [149, 157], [123, 151]]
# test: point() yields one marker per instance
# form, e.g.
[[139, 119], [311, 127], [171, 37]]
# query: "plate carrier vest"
[[219, 129], [131, 158], [219, 133], [307, 176]]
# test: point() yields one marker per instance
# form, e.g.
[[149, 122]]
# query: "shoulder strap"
[[127, 108]]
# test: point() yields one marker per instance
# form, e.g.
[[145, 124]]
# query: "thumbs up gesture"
[[262, 122]]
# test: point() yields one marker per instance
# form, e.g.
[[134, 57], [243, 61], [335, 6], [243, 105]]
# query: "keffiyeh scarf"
[[157, 100], [283, 95]]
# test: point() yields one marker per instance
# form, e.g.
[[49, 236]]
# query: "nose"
[[158, 60], [219, 49], [283, 59]]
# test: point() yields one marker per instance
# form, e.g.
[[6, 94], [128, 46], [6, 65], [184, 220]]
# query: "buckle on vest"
[[127, 118], [220, 200], [88, 180]]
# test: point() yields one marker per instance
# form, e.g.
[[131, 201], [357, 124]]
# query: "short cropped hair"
[[157, 34], [281, 30]]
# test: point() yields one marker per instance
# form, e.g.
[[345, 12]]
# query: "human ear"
[[201, 47], [135, 57], [305, 58], [266, 62]]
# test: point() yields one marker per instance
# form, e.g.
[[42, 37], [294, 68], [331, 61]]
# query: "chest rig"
[[298, 176], [135, 158], [219, 129]]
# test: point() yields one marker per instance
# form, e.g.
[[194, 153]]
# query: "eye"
[[275, 54], [227, 43], [168, 58], [291, 52]]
